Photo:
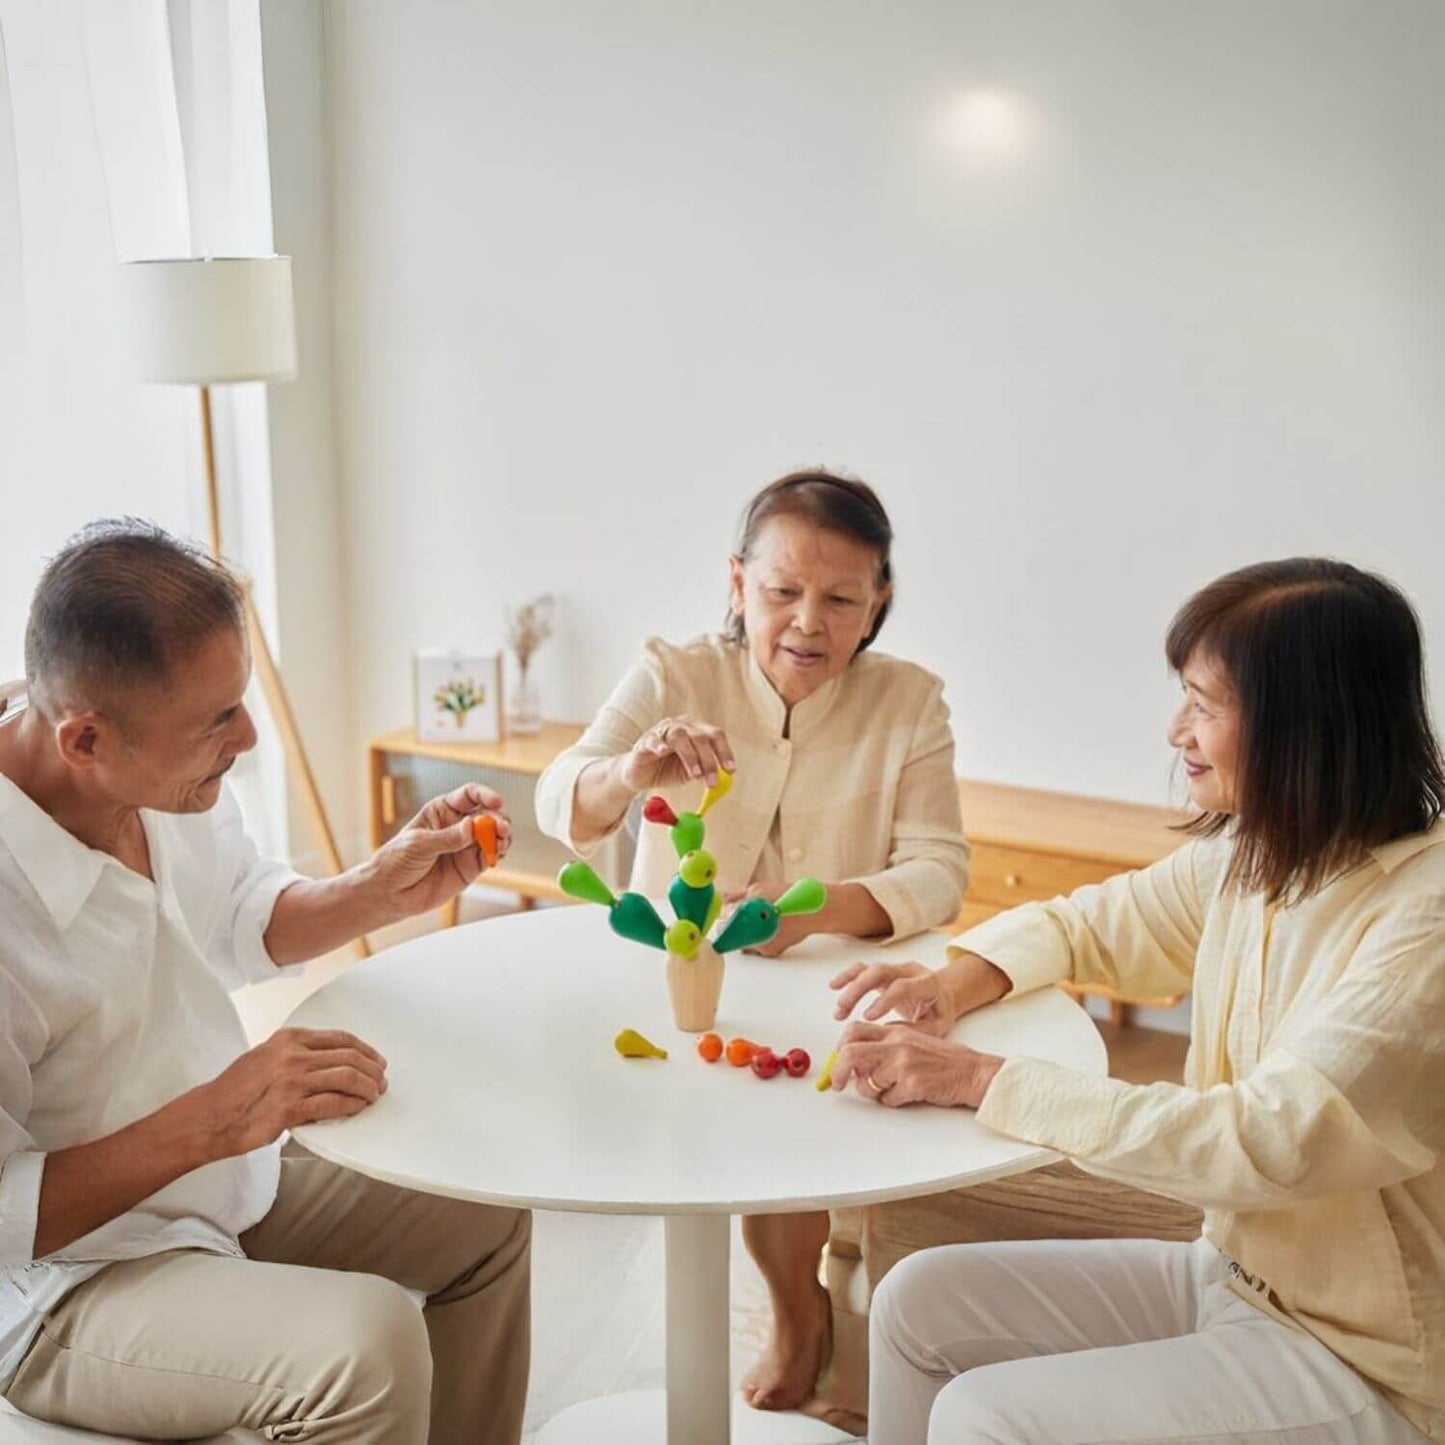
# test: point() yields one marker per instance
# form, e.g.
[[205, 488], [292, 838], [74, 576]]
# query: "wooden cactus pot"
[[695, 986]]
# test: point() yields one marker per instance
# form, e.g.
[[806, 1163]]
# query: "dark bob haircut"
[[116, 607], [1337, 755], [836, 504]]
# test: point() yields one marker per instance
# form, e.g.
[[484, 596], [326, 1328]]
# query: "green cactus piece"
[[754, 923], [633, 917], [683, 938], [688, 833], [691, 903], [807, 895], [713, 909], [698, 868], [578, 880]]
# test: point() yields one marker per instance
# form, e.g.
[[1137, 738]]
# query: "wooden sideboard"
[[1030, 845]]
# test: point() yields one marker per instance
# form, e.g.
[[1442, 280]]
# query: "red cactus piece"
[[765, 1063], [657, 810], [797, 1062]]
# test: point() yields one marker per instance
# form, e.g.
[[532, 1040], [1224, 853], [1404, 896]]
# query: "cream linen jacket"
[[1311, 1121], [860, 790]]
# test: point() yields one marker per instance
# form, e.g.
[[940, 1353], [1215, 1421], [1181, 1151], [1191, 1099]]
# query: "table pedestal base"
[[698, 1407], [640, 1418]]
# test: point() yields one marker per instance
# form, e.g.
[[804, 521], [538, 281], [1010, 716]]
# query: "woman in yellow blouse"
[[1308, 918], [843, 760]]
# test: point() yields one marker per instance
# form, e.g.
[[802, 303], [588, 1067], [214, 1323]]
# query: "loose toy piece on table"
[[710, 1048], [631, 1045], [740, 1052], [825, 1079], [484, 830]]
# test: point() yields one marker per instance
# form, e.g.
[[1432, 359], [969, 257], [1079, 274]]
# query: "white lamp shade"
[[203, 321]]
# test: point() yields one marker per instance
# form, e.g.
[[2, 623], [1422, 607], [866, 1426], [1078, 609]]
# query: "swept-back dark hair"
[[118, 605], [1337, 755], [837, 504]]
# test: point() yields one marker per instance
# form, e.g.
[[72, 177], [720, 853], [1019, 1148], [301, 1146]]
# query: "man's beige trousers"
[[311, 1337]]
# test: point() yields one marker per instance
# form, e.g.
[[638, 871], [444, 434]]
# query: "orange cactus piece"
[[710, 1048], [740, 1052], [484, 830]]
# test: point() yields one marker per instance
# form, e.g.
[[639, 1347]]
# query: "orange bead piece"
[[740, 1052], [710, 1048], [484, 830]]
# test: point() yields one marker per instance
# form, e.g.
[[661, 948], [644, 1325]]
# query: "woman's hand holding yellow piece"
[[893, 1065], [677, 750]]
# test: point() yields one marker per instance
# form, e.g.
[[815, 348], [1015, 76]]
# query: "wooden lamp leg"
[[269, 675]]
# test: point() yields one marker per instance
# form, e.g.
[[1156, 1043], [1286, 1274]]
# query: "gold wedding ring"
[[878, 1089]]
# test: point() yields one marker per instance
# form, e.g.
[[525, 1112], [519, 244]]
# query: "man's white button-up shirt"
[[114, 1000]]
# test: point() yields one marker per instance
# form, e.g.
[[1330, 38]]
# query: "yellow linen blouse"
[[1311, 1121], [858, 788]]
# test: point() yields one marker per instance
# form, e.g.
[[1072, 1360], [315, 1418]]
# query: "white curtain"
[[139, 131]]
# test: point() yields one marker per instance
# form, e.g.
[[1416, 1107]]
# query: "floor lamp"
[[204, 323]]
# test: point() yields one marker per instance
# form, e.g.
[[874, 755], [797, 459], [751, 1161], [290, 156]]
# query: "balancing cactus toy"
[[694, 962]]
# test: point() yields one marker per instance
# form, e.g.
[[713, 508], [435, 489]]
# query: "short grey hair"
[[117, 607]]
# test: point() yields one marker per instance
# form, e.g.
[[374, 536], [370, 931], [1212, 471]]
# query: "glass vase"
[[524, 707]]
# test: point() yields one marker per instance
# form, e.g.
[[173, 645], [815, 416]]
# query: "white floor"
[[597, 1279]]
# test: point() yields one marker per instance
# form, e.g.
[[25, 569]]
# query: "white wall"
[[600, 271], [78, 439], [312, 594]]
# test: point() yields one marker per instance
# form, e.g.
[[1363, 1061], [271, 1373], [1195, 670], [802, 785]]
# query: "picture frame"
[[458, 695]]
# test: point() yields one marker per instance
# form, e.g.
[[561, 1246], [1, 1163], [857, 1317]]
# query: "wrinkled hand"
[[435, 856], [677, 750], [298, 1076], [893, 1065], [918, 995]]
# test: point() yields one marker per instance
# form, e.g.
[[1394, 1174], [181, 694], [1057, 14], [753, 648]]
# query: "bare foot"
[[788, 1369]]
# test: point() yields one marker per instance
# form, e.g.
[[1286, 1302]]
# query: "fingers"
[[352, 1059], [436, 842], [316, 1108], [699, 748], [470, 798], [330, 1039], [346, 1080], [855, 1057], [847, 976], [865, 978], [910, 998]]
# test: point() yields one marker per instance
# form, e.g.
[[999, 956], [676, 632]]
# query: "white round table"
[[505, 1088]]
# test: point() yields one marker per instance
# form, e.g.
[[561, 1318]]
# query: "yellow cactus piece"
[[631, 1045], [717, 792], [825, 1079]]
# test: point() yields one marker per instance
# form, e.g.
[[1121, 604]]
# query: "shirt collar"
[[60, 868], [807, 715], [1390, 855]]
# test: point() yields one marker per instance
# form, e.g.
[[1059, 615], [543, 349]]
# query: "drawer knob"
[[1011, 880]]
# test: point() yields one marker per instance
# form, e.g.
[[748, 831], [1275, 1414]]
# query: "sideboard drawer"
[[1007, 877]]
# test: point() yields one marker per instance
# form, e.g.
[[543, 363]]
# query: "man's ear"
[[84, 739]]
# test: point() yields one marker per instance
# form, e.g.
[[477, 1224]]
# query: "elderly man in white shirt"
[[166, 1269]]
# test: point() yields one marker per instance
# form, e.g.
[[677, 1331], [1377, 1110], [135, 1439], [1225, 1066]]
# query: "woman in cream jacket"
[[843, 764]]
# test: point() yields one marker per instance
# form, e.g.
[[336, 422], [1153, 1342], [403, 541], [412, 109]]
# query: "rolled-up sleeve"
[[637, 702], [1338, 1106], [1137, 933], [927, 873], [250, 885]]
